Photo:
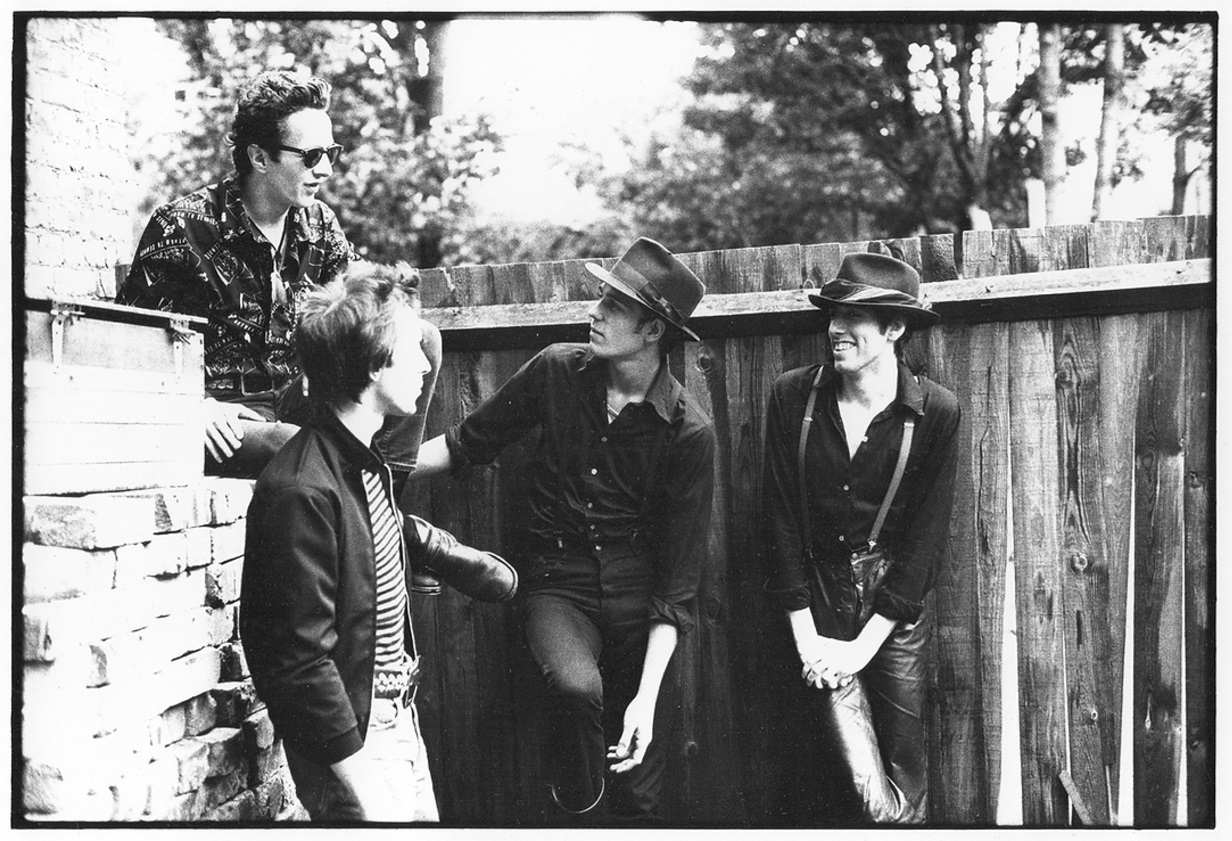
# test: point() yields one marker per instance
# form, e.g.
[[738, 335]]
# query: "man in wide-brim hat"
[[859, 484], [618, 505]]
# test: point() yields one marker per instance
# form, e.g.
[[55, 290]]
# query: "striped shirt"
[[391, 597]]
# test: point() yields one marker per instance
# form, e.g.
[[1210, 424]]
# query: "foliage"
[[823, 132], [403, 180]]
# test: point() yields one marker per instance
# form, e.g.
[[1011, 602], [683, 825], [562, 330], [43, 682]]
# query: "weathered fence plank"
[[1199, 601], [1159, 573], [958, 775], [1036, 517], [1094, 626]]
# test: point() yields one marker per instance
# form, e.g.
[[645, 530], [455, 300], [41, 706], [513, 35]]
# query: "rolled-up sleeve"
[[287, 622], [505, 416], [684, 526], [787, 584], [919, 541]]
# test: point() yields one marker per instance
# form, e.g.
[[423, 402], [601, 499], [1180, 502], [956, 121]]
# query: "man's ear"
[[655, 329], [258, 157], [895, 329]]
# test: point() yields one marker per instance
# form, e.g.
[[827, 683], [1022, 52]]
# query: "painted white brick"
[[53, 572], [222, 582], [228, 541], [175, 508], [95, 521], [136, 655], [228, 499]]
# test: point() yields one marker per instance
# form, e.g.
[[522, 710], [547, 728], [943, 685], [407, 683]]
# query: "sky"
[[546, 81]]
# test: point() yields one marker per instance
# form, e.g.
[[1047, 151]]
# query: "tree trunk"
[[1052, 153], [1110, 125], [1180, 175]]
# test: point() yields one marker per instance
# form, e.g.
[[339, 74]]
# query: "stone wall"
[[135, 697], [137, 703]]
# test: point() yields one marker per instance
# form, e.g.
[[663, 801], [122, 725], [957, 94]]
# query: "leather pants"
[[876, 725]]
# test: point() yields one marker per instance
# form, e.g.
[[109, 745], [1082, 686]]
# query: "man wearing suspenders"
[[860, 462]]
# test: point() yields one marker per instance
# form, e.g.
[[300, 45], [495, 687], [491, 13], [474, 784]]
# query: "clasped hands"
[[829, 662]]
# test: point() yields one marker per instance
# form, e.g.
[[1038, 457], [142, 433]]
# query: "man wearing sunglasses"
[[242, 253]]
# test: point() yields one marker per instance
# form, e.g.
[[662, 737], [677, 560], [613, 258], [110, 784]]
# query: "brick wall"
[[135, 697], [137, 703], [77, 225]]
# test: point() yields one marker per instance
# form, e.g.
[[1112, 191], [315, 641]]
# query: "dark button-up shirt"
[[648, 476], [845, 493], [201, 255], [308, 599]]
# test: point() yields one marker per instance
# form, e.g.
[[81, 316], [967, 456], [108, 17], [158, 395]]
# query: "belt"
[[396, 682]]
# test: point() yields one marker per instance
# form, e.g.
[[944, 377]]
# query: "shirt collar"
[[664, 393], [909, 392], [351, 448], [236, 217]]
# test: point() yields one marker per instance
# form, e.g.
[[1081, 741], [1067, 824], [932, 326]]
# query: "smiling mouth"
[[841, 346]]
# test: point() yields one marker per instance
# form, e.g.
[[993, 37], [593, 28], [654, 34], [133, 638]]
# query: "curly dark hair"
[[264, 104], [346, 329]]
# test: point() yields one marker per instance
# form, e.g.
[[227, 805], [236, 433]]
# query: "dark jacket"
[[308, 598]]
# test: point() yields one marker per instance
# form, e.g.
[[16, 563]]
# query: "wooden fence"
[[1082, 357]]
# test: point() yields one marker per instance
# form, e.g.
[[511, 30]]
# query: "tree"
[[403, 182], [1052, 157], [818, 131], [1109, 129]]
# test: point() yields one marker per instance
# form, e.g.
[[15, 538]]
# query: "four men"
[[860, 461]]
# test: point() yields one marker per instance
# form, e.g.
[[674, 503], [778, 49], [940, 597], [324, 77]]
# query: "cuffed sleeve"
[[919, 542], [787, 583], [684, 526]]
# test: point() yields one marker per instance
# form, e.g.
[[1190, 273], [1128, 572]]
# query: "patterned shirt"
[[202, 255]]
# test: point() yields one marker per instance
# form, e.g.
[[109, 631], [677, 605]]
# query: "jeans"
[[395, 743], [875, 725], [587, 624]]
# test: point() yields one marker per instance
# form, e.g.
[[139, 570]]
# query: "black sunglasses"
[[312, 156]]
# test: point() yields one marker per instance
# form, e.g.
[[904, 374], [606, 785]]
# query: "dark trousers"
[[587, 623], [875, 727]]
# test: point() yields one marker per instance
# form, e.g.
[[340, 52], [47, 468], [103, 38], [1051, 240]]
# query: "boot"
[[436, 556]]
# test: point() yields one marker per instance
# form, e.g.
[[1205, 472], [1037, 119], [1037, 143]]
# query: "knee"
[[575, 688]]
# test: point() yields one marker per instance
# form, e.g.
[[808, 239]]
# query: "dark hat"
[[649, 274], [879, 282]]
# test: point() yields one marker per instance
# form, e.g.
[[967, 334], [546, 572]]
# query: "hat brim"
[[914, 316], [631, 293]]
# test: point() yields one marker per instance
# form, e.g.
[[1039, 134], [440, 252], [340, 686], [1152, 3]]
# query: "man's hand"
[[629, 752], [367, 785], [223, 431]]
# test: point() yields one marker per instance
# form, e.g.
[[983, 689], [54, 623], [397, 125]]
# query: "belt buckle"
[[413, 675]]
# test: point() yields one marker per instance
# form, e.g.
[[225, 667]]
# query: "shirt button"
[[855, 555], [590, 505], [594, 471], [598, 548], [865, 439], [846, 487], [604, 439], [841, 539]]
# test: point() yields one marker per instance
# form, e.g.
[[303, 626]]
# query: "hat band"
[[646, 289], [850, 292]]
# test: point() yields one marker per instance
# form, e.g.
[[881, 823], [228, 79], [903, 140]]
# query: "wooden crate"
[[112, 397]]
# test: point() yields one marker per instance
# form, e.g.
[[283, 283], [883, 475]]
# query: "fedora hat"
[[649, 274], [879, 282]]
